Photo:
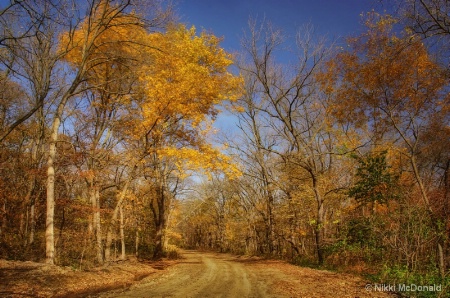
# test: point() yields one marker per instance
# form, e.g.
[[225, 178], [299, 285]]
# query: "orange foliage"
[[382, 77], [105, 45]]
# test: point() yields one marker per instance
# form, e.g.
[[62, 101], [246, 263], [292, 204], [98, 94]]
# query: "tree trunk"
[[160, 220], [112, 223], [25, 233], [50, 213], [441, 260], [221, 230], [158, 253], [440, 250], [26, 204], [137, 232], [318, 243], [137, 243], [96, 223], [270, 218], [3, 226], [109, 240], [49, 231], [122, 234], [32, 223], [318, 227], [32, 195]]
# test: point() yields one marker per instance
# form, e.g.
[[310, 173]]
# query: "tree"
[[28, 52], [427, 17], [107, 49], [183, 82], [389, 85], [375, 183], [109, 81], [30, 56], [88, 47], [294, 110], [259, 163]]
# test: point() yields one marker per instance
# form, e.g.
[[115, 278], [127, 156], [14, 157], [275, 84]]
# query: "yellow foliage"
[[186, 76], [105, 45], [184, 80], [204, 158]]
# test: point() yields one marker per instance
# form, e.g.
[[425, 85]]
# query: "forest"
[[338, 159]]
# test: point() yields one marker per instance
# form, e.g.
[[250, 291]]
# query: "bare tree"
[[428, 17], [255, 151], [289, 99]]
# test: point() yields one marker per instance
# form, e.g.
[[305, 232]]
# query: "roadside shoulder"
[[22, 279]]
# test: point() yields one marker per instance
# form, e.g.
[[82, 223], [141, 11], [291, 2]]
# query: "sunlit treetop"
[[187, 75], [184, 81], [107, 43], [179, 80]]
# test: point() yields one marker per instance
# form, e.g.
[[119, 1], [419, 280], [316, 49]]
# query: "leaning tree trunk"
[[434, 219]]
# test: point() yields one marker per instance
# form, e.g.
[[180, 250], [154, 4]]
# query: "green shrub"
[[400, 275]]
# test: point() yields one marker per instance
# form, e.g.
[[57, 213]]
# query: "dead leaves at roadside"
[[28, 279], [293, 281]]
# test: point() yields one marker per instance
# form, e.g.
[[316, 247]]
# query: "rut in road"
[[200, 275], [221, 275]]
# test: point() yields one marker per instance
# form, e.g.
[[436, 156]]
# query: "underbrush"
[[423, 284], [172, 252], [307, 261]]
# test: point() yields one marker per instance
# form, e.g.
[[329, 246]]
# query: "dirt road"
[[221, 275]]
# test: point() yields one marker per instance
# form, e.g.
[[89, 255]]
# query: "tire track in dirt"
[[198, 275], [201, 274]]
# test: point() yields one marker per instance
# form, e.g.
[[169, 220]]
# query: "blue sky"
[[336, 19], [228, 18]]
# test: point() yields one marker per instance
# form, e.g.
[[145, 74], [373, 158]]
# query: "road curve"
[[200, 275]]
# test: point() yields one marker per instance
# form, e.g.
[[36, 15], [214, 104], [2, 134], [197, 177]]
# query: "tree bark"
[[318, 226], [113, 221], [137, 243], [440, 250], [32, 223], [160, 222], [50, 213], [3, 226], [49, 231], [96, 221], [122, 234]]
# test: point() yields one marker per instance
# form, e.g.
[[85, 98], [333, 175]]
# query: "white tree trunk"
[[49, 231]]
